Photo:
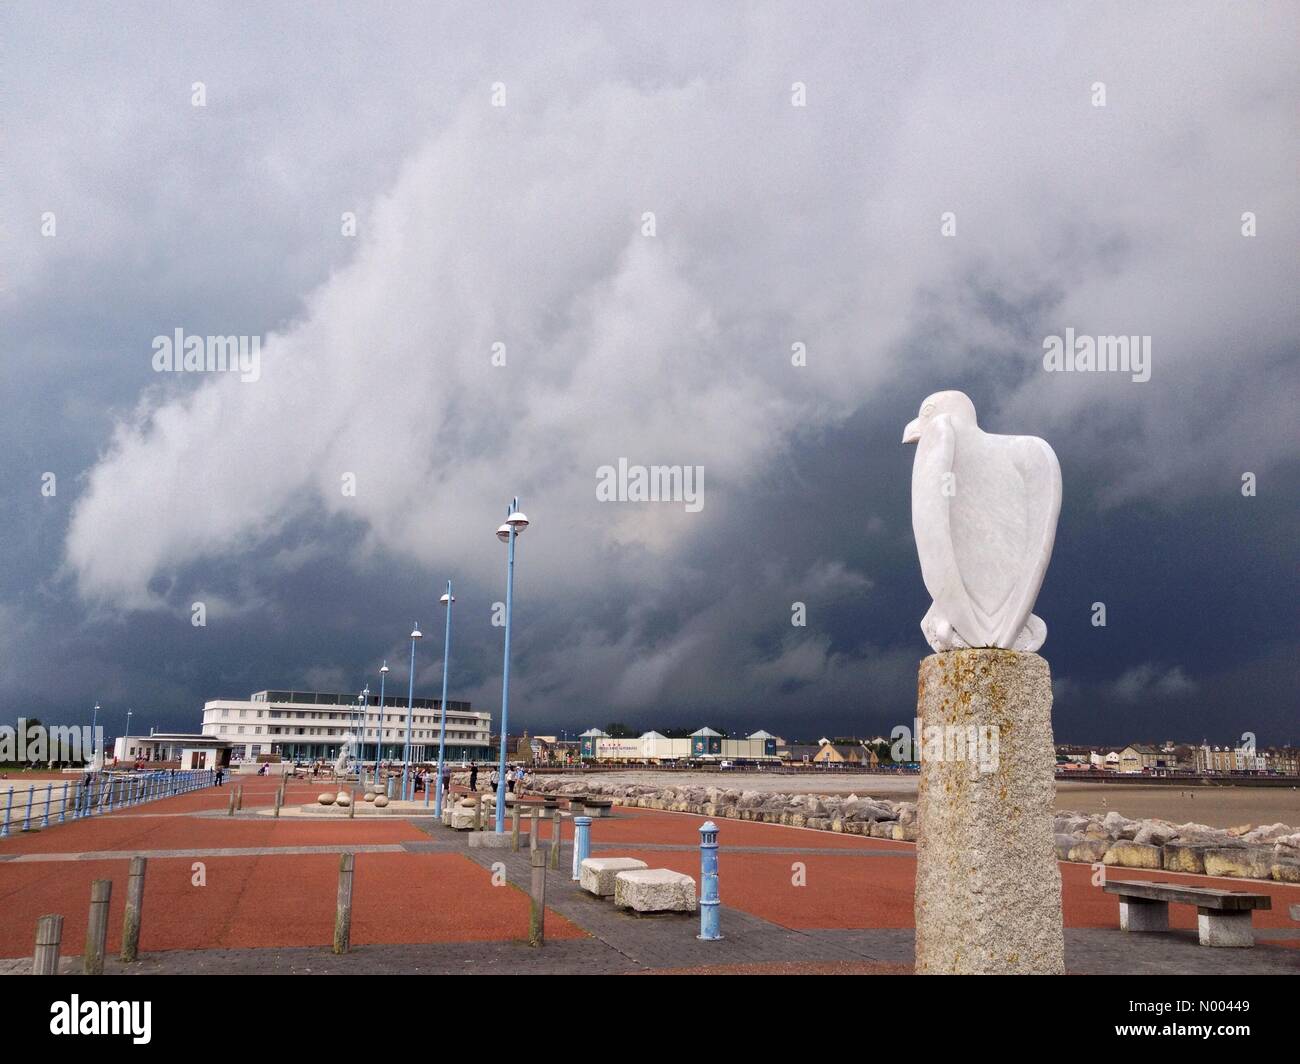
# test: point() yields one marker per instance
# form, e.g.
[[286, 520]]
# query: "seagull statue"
[[984, 512]]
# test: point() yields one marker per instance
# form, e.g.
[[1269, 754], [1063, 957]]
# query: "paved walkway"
[[795, 900]]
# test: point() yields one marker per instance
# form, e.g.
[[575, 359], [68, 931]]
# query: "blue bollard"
[[63, 806], [9, 804], [581, 842], [27, 816], [45, 817], [392, 783], [710, 906]]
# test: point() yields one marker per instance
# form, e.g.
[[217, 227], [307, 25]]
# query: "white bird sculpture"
[[984, 512]]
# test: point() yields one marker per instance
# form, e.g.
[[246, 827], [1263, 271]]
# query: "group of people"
[[515, 778]]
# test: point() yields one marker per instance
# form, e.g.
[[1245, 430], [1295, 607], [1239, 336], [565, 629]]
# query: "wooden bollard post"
[[532, 830], [537, 899], [555, 838], [239, 797], [101, 891], [279, 798], [134, 904], [343, 917], [514, 827], [352, 805], [230, 807], [49, 936], [478, 812]]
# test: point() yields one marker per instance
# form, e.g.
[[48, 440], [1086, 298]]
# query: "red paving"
[[143, 831], [288, 900], [273, 902]]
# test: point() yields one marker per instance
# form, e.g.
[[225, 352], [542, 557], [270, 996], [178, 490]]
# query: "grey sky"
[[523, 225]]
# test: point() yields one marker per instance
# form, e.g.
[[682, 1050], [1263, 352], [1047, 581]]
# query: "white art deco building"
[[308, 725]]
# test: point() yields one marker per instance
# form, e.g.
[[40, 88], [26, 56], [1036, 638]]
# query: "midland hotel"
[[311, 725]]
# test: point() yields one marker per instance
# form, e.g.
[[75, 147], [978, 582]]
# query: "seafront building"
[[312, 725]]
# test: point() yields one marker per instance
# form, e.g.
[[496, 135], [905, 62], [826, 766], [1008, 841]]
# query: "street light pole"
[[446, 600], [379, 739], [410, 712], [94, 719], [516, 522], [364, 700]]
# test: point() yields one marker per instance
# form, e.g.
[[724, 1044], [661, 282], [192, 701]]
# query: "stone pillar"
[[988, 888]]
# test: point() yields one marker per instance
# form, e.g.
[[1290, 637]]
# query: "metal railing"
[[100, 794]]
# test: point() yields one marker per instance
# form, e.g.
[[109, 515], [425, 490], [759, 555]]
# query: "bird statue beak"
[[913, 431]]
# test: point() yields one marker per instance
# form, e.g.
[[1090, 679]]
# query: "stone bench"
[[598, 807], [1223, 916], [654, 890], [596, 874]]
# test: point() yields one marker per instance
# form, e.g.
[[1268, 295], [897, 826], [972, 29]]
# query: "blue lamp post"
[[446, 600], [516, 522], [126, 747], [410, 712], [379, 738], [94, 719]]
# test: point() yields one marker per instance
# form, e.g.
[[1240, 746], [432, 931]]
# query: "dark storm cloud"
[[523, 225]]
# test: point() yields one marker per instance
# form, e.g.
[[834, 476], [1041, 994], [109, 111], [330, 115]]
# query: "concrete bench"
[[599, 806], [596, 874], [1223, 916], [654, 890]]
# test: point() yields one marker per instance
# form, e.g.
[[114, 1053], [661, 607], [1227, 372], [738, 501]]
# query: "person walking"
[[473, 778], [221, 775]]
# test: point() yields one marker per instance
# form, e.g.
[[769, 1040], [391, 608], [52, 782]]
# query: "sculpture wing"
[[1040, 475], [932, 527]]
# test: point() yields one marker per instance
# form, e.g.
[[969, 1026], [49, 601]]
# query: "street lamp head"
[[518, 521], [384, 668], [416, 633], [447, 600], [503, 533]]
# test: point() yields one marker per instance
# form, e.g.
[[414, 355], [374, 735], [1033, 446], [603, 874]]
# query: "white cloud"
[[1147, 681]]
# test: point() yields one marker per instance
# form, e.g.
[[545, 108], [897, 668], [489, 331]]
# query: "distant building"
[[1142, 757], [188, 751], [312, 725], [1282, 760], [1226, 759], [703, 745]]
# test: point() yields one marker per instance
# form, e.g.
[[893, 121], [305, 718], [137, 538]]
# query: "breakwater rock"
[[1270, 851]]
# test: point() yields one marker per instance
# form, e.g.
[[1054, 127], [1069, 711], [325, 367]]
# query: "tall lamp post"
[[516, 522], [410, 711], [446, 600], [94, 744], [379, 739], [126, 746], [363, 701]]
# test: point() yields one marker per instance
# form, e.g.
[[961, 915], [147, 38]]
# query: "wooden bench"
[[1223, 916], [598, 807]]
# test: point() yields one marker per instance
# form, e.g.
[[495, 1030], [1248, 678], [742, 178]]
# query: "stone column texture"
[[988, 887]]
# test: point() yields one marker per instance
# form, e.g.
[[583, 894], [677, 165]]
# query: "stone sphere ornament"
[[381, 801], [325, 799], [343, 798], [984, 510]]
